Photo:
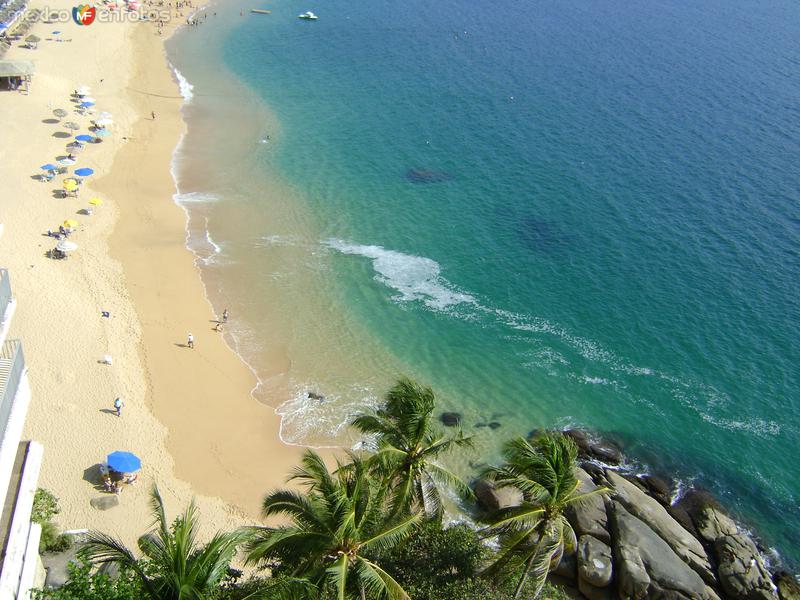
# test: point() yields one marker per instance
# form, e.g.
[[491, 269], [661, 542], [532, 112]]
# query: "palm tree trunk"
[[524, 578], [363, 593]]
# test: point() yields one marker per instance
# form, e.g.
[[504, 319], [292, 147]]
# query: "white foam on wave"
[[186, 88], [195, 198], [415, 278], [322, 422]]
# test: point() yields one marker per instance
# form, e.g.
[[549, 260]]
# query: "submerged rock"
[[451, 419], [427, 176]]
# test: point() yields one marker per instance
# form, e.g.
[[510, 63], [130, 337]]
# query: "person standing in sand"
[[225, 316], [118, 404], [190, 343]]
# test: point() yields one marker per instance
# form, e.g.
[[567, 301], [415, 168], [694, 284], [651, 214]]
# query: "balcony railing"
[[5, 293], [12, 366]]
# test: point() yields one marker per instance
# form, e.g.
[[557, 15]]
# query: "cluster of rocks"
[[633, 543]]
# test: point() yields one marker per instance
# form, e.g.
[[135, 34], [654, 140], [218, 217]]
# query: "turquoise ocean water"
[[554, 213]]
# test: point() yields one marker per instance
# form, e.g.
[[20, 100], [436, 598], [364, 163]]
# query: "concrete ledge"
[[33, 574], [10, 441], [20, 530]]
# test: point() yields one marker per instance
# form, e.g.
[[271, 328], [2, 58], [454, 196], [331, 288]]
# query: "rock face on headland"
[[633, 543]]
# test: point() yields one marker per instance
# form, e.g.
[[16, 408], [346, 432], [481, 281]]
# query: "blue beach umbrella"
[[85, 172], [49, 167], [124, 462], [84, 138], [86, 104]]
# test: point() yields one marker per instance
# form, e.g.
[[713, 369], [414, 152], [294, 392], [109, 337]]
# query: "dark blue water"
[[558, 213]]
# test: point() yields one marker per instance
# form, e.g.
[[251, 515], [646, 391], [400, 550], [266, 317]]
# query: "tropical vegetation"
[[367, 528]]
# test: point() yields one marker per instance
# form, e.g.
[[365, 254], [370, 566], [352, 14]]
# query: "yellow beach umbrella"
[[70, 223], [96, 202], [71, 185]]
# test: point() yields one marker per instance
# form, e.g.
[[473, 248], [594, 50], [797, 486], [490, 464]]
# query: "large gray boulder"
[[594, 562], [649, 510], [567, 568], [742, 574], [104, 502], [588, 517], [788, 586], [493, 498], [646, 566], [712, 524]]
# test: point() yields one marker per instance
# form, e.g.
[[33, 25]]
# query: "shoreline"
[[177, 422]]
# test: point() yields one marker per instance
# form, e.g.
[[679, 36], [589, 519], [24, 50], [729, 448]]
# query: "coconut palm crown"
[[534, 535], [336, 526], [408, 444], [174, 567]]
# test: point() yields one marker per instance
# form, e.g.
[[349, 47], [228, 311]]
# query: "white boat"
[[308, 15]]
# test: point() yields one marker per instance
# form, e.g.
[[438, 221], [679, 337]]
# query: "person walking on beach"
[[152, 112], [118, 404], [225, 316], [190, 343]]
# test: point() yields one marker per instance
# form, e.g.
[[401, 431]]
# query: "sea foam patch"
[[414, 278], [186, 88]]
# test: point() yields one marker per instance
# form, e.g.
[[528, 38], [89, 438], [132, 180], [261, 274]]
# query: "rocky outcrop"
[[603, 451], [646, 566], [788, 587], [567, 568], [712, 524], [648, 510], [742, 573], [492, 498], [588, 517], [594, 561]]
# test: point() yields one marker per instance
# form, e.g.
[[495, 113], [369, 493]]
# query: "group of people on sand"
[[113, 481], [217, 327]]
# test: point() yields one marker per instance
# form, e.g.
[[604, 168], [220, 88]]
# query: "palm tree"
[[408, 445], [534, 535], [336, 525], [174, 566]]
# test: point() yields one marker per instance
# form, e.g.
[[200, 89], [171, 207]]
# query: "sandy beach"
[[188, 413]]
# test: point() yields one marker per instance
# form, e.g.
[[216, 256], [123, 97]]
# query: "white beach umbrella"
[[88, 99], [103, 122], [104, 115], [82, 90], [67, 162], [66, 246]]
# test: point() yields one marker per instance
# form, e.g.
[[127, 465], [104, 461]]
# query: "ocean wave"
[[321, 422], [186, 88], [195, 198], [418, 278], [415, 278]]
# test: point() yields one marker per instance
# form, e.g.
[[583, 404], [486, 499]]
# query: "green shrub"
[[45, 506], [52, 540], [83, 584]]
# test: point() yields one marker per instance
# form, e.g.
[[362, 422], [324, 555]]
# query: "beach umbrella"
[[60, 113], [96, 202], [85, 172], [103, 122], [67, 162], [101, 133], [69, 223], [82, 91], [33, 39], [104, 115], [66, 246], [123, 462], [75, 147], [87, 104], [88, 99], [49, 167], [84, 137], [72, 125], [71, 185]]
